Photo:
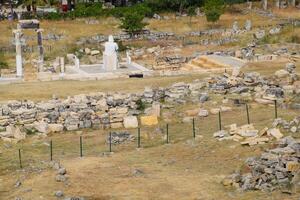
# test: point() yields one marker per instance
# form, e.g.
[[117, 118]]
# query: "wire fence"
[[34, 154]]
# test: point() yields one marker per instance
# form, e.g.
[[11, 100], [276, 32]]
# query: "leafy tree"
[[132, 22], [213, 9], [191, 11], [231, 2]]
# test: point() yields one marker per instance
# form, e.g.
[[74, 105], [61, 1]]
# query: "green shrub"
[[132, 22], [140, 105], [53, 16], [213, 9], [3, 63], [122, 47]]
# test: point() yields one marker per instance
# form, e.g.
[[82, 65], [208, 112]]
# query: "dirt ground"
[[185, 169]]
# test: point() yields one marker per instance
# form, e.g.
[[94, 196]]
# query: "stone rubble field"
[[275, 169]]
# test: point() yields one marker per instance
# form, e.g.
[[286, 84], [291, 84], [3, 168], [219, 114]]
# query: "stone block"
[[275, 132], [116, 125], [55, 128], [292, 166], [130, 122], [149, 120]]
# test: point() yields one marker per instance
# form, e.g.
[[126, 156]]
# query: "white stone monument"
[[110, 56], [128, 58]]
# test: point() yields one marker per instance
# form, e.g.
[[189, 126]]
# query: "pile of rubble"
[[292, 126], [177, 93], [277, 168], [109, 110], [170, 62], [248, 135], [120, 138], [265, 90]]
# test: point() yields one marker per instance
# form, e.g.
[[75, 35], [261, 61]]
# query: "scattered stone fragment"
[[60, 178], [275, 133], [62, 171], [59, 193], [120, 137], [203, 113]]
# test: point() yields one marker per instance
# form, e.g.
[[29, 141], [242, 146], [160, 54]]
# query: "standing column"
[[265, 4], [19, 64], [41, 49], [249, 5], [277, 4], [62, 65]]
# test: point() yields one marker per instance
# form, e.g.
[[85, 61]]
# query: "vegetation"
[[132, 22], [141, 105], [213, 9], [3, 64], [191, 11], [147, 8]]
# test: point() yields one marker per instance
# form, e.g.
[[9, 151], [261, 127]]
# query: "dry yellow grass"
[[288, 13], [183, 24], [45, 90], [186, 169]]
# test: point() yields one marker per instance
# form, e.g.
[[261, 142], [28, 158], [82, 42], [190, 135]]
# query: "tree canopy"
[[213, 9], [132, 22]]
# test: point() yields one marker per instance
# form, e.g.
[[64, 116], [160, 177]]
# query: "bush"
[[132, 22], [140, 105], [213, 9], [53, 16], [3, 63]]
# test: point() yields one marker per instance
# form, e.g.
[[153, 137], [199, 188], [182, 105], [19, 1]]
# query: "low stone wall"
[[95, 110], [117, 110]]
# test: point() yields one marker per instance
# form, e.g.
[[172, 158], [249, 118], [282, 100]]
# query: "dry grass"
[[184, 24], [45, 90], [186, 169], [288, 13]]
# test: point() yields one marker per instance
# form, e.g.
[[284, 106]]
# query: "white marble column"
[[249, 5], [265, 4], [62, 65], [19, 63], [277, 4]]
